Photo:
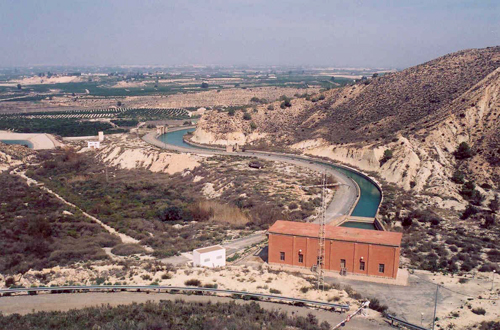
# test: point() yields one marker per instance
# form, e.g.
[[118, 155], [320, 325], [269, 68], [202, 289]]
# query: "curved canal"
[[370, 197]]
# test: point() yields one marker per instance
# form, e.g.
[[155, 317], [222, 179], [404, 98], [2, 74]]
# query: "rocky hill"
[[421, 114]]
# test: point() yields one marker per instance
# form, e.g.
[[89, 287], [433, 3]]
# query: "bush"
[[479, 311], [463, 151], [193, 282], [458, 177], [274, 291], [469, 210], [292, 206], [494, 204], [387, 155], [231, 112], [377, 306], [204, 85], [304, 289], [247, 116], [253, 125], [127, 249], [270, 107], [166, 276]]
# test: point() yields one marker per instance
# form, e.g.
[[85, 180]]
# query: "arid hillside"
[[421, 114]]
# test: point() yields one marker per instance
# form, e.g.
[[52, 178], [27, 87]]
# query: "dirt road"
[[343, 200]]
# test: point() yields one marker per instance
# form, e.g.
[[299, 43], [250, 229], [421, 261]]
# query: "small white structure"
[[93, 144], [101, 136], [212, 256]]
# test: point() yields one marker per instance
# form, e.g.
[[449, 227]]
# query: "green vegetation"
[[470, 193], [387, 155], [171, 315], [463, 151], [62, 127], [125, 122], [247, 116], [458, 177], [35, 233]]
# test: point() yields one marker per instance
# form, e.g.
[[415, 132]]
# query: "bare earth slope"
[[422, 114]]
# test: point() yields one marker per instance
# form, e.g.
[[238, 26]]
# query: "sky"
[[350, 33]]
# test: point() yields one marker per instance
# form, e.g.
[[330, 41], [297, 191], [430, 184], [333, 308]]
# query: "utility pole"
[[321, 233], [322, 223], [435, 306]]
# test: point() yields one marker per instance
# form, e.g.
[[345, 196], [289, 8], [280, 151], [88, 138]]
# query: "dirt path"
[[109, 229], [65, 302]]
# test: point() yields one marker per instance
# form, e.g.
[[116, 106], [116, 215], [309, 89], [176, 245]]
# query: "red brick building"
[[358, 251]]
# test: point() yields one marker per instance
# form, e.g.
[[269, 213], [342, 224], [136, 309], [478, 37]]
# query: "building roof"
[[210, 249], [337, 233]]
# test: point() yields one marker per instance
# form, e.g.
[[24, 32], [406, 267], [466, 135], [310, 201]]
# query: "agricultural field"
[[85, 122]]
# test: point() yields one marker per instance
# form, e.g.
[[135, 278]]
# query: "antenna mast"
[[322, 222]]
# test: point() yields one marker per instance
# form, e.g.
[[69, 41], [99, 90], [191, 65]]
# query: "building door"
[[342, 263]]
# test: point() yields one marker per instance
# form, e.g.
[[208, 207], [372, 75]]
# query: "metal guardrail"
[[404, 323], [69, 289]]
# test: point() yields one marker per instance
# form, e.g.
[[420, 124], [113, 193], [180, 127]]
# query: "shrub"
[[127, 249], [204, 85], [304, 289], [247, 116], [377, 306], [10, 281], [489, 220], [274, 291], [458, 177], [387, 155], [211, 286], [193, 282], [469, 210], [253, 125], [463, 151], [166, 276], [231, 112], [270, 107], [293, 206], [494, 204], [479, 311]]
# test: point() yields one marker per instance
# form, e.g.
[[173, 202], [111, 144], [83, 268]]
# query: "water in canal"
[[369, 200], [20, 142]]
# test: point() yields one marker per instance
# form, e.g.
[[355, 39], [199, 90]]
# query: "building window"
[[207, 260], [342, 263], [282, 256], [361, 265], [301, 258], [381, 268], [219, 257]]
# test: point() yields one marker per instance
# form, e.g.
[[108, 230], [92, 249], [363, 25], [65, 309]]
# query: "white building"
[[93, 144], [212, 256]]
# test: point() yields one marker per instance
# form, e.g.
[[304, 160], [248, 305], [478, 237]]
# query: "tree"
[[468, 189], [489, 220], [19, 86], [387, 155], [230, 112], [463, 151], [494, 204], [171, 213], [458, 177], [119, 103], [247, 116], [204, 85], [469, 210], [253, 125]]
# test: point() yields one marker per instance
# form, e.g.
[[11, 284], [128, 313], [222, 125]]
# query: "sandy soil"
[[40, 141]]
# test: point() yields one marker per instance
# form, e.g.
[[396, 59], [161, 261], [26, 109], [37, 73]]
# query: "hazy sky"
[[254, 32]]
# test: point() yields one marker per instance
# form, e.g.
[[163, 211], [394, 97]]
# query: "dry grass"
[[224, 213]]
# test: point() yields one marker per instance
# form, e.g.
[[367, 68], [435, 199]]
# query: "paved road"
[[65, 302], [343, 201]]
